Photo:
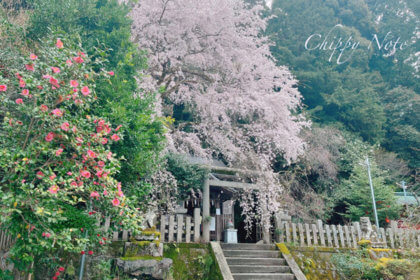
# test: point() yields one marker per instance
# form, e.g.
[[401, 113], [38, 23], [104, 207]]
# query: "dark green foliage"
[[189, 177], [105, 24], [353, 94]]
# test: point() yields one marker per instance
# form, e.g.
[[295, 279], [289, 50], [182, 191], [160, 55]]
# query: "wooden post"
[[334, 231], [179, 229], [340, 233], [353, 236], [358, 231], [382, 231], [125, 235], [115, 236], [277, 225], [287, 232], [391, 237], [107, 223], [314, 234], [196, 225], [206, 210], [321, 232], [188, 229], [328, 231], [346, 230], [294, 233], [162, 228], [308, 235], [171, 228], [301, 236]]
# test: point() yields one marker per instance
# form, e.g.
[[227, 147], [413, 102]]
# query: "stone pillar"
[[206, 210]]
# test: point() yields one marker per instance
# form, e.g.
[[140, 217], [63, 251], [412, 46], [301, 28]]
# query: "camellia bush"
[[56, 168]]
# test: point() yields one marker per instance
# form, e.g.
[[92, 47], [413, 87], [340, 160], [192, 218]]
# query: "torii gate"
[[225, 184]]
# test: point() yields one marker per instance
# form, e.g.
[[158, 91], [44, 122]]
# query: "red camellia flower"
[[29, 67], [78, 59], [54, 189], [59, 44], [59, 152], [54, 278], [65, 126], [25, 92], [61, 269], [82, 252], [19, 101], [90, 253], [74, 83], [57, 112], [115, 137], [387, 220], [85, 91], [44, 108], [33, 56], [54, 82], [3, 87], [49, 137], [115, 202], [39, 174], [111, 73], [91, 154], [85, 173], [55, 69], [57, 274]]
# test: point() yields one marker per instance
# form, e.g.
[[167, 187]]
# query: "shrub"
[[56, 167]]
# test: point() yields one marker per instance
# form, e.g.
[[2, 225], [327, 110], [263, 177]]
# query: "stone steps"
[[263, 276], [256, 262], [259, 268], [251, 253]]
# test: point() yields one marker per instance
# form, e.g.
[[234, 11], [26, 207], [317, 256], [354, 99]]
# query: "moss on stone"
[[283, 249], [135, 258], [192, 261]]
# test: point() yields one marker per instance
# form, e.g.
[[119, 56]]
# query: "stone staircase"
[[256, 262]]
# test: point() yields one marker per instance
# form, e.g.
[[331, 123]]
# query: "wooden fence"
[[180, 227], [173, 228], [342, 236], [6, 241]]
